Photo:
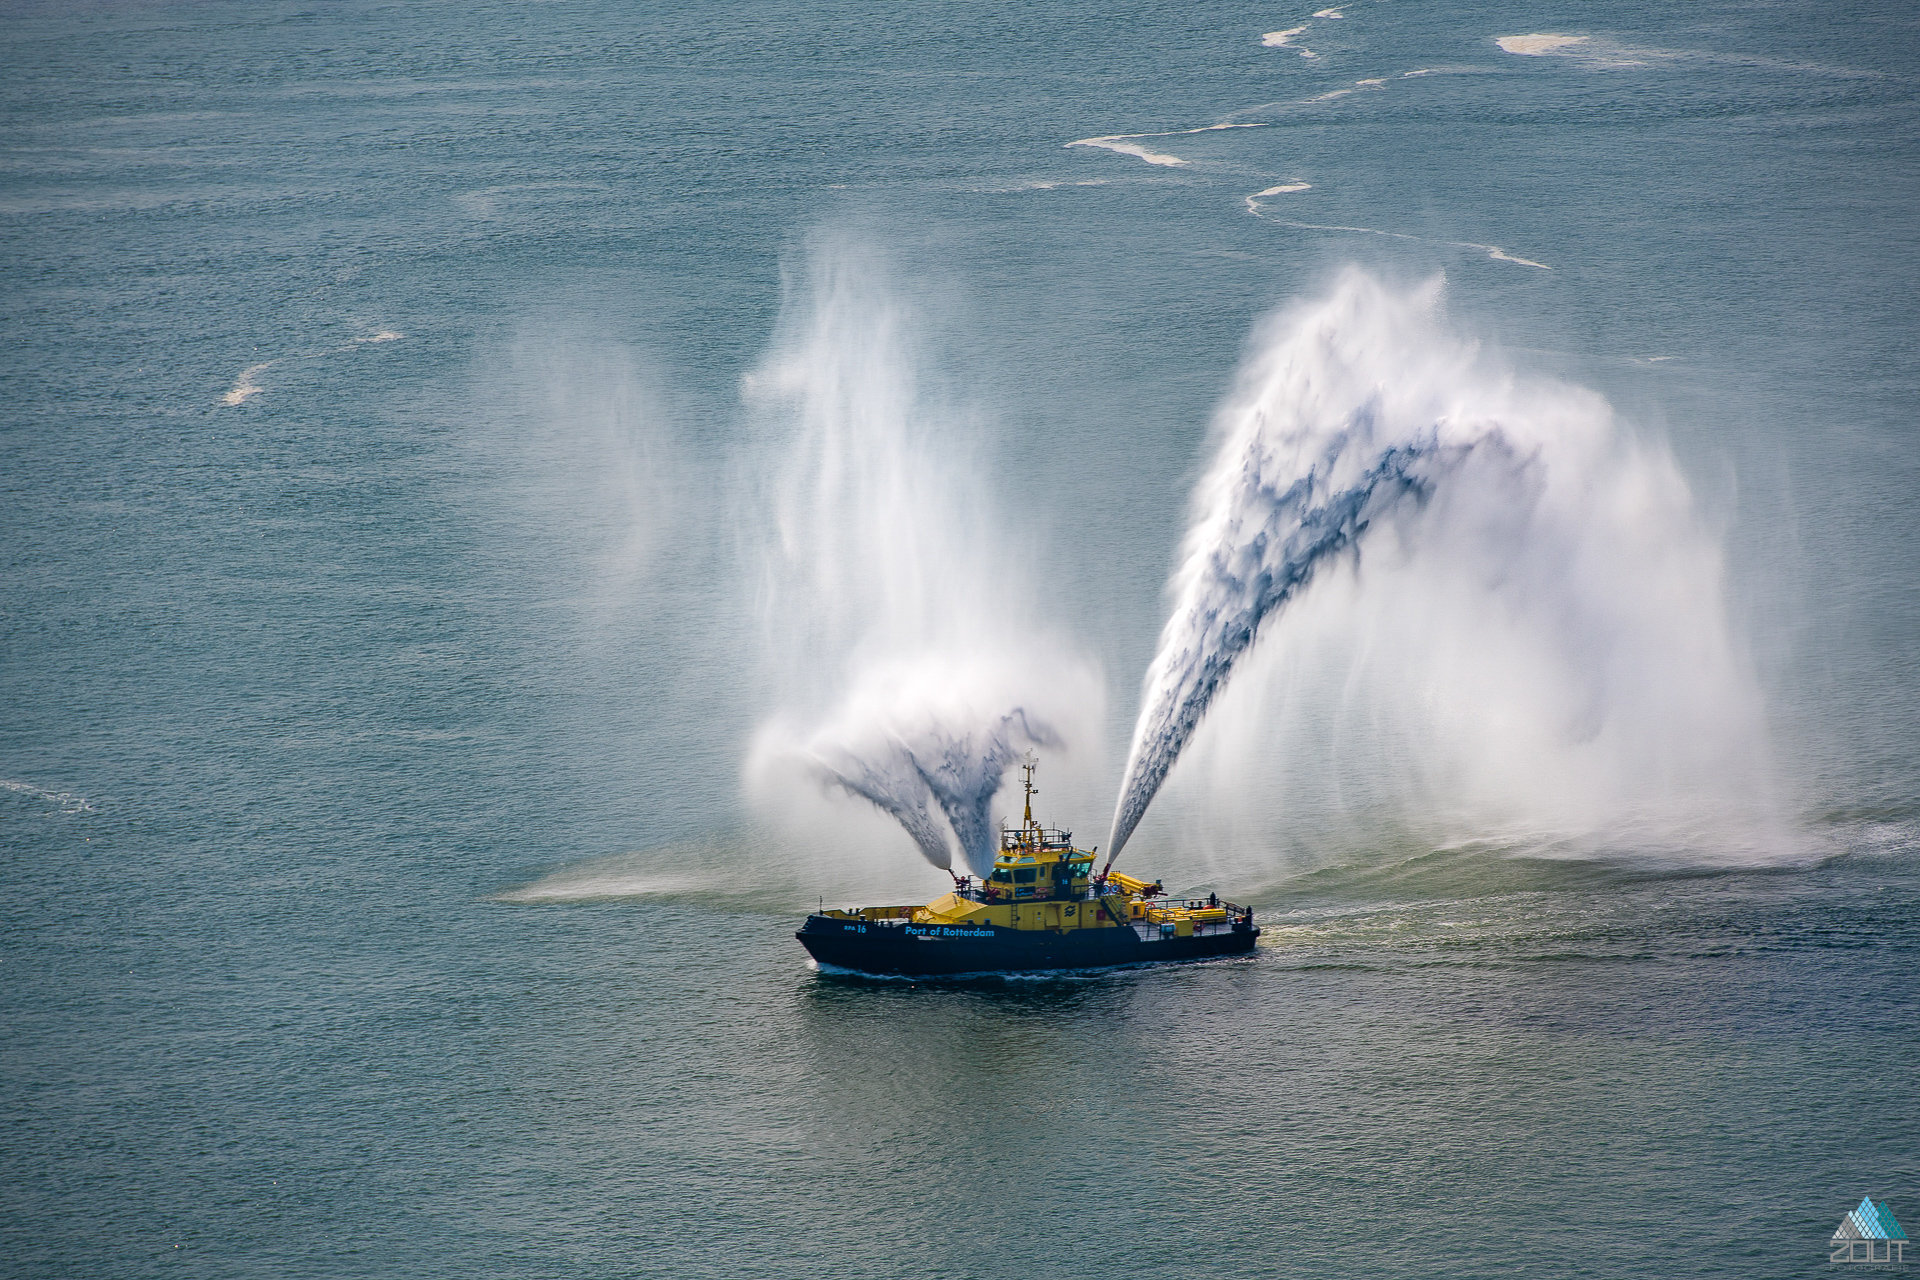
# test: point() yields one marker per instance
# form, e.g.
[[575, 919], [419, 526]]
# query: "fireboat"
[[1042, 907]]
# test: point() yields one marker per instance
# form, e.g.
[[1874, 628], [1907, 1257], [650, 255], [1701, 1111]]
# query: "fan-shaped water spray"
[[926, 740], [904, 671]]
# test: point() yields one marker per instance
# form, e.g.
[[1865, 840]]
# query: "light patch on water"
[[1279, 39], [1329, 13], [1533, 46], [485, 203], [576, 885], [385, 335], [1587, 50]]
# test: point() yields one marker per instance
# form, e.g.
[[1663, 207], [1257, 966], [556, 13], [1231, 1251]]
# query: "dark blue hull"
[[932, 950]]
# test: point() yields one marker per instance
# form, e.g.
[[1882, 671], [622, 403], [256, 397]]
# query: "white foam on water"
[[1492, 251], [1585, 50], [1424, 71], [1534, 46], [1359, 86], [1329, 13], [1501, 255], [1042, 185], [1253, 205], [1279, 39], [1128, 144], [244, 387], [64, 801], [1124, 148]]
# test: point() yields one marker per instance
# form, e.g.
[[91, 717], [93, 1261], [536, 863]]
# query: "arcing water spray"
[[1530, 525]]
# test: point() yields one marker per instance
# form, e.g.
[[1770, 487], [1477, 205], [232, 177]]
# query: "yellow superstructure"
[[1040, 881]]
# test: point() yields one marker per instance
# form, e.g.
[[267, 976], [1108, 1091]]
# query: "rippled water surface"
[[392, 425]]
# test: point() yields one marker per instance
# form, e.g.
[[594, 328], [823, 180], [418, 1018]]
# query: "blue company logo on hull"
[[1869, 1233]]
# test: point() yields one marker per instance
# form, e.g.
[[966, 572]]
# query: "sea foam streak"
[[1493, 251], [1127, 144], [64, 801], [1120, 146], [1281, 189], [244, 387], [1534, 573], [904, 666]]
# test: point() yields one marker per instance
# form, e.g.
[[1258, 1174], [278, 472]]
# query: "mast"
[[1027, 767]]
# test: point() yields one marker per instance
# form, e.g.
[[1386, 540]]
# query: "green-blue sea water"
[[378, 666]]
